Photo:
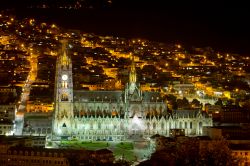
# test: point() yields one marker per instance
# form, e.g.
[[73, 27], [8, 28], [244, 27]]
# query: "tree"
[[149, 69], [183, 103], [162, 157], [218, 102], [193, 152], [171, 100], [217, 153], [122, 162], [196, 103], [187, 152], [171, 97], [246, 105]]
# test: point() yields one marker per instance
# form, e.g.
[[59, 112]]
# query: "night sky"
[[223, 26]]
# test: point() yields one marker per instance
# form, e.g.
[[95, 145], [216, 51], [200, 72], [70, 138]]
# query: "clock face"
[[64, 77]]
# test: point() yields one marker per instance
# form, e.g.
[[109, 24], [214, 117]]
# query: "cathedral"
[[115, 115]]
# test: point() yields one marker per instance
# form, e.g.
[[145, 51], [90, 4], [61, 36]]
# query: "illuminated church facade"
[[115, 115]]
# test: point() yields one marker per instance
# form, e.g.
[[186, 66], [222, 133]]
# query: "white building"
[[115, 115]]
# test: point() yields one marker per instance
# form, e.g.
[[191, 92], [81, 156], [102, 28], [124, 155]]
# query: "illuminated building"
[[6, 127], [35, 106], [33, 156], [115, 115]]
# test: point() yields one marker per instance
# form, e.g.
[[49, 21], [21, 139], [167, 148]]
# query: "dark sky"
[[222, 25]]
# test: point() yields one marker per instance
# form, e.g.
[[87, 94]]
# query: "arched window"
[[200, 125], [186, 125], [99, 125], [148, 125], [154, 125], [170, 125], [64, 125], [191, 125], [64, 84], [64, 97], [180, 125], [44, 131], [122, 126], [162, 125], [91, 126]]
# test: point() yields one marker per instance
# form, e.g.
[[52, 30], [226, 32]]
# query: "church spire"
[[65, 59], [133, 86], [132, 74]]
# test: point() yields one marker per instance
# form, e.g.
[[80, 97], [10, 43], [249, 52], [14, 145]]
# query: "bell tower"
[[132, 91], [133, 94], [63, 100], [132, 77]]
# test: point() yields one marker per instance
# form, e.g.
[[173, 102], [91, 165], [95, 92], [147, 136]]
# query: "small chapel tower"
[[132, 91], [133, 94]]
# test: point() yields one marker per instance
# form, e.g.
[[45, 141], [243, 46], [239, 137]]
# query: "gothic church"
[[115, 115]]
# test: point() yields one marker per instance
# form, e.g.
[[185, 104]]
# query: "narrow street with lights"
[[21, 109]]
